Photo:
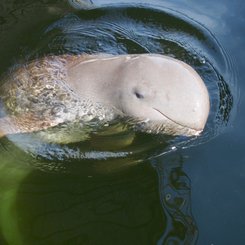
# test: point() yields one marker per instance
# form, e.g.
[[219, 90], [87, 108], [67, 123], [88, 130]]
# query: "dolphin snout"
[[184, 98]]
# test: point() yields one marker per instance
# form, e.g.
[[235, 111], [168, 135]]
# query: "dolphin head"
[[165, 93]]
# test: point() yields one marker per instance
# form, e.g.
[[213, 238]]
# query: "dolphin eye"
[[138, 94]]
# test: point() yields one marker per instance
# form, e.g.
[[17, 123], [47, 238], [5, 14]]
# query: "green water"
[[192, 195]]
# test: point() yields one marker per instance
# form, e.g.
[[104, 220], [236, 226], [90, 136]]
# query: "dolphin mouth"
[[192, 131]]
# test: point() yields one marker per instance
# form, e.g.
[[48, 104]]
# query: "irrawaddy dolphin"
[[155, 93]]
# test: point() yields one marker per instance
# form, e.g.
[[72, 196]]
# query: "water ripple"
[[143, 30]]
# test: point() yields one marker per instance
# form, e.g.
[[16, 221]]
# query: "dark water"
[[193, 194]]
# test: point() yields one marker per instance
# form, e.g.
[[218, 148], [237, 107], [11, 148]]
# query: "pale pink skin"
[[153, 88], [148, 86]]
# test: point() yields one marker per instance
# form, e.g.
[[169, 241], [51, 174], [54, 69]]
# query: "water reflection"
[[175, 195], [121, 208]]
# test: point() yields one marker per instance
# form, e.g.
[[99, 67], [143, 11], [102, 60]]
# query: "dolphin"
[[154, 92]]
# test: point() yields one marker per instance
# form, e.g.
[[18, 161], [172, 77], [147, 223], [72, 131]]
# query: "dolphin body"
[[156, 93]]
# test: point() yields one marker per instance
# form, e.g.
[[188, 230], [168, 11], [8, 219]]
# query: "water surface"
[[192, 195]]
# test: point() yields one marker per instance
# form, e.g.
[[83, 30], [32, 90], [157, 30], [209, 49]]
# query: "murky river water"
[[95, 193]]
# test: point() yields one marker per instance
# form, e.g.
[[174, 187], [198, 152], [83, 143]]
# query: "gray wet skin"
[[167, 95]]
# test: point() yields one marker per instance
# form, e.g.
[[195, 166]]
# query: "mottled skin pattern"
[[35, 96]]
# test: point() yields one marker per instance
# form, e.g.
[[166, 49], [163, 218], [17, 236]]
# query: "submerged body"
[[155, 93]]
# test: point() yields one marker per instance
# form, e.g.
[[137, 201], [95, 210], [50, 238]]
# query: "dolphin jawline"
[[172, 120]]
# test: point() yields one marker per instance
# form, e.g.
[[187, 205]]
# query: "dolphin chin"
[[179, 127], [166, 127]]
